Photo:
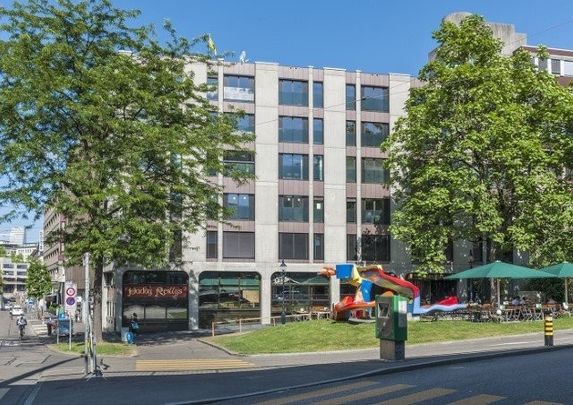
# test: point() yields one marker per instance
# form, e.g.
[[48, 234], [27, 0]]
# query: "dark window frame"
[[288, 243]]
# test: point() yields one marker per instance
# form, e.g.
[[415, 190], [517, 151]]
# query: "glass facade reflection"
[[302, 293]]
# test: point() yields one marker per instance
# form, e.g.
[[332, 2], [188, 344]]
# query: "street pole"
[[86, 310], [283, 275]]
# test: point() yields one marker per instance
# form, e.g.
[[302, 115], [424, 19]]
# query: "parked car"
[[16, 310]]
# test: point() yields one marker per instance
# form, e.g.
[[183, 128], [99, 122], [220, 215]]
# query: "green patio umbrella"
[[499, 270], [561, 270]]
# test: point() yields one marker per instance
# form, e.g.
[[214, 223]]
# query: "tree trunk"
[[97, 296]]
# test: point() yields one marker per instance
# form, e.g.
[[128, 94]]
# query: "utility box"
[[392, 326]]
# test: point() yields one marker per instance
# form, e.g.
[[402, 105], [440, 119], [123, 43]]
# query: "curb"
[[223, 349], [383, 371]]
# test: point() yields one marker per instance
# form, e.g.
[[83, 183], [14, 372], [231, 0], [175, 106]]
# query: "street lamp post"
[[470, 282], [283, 275]]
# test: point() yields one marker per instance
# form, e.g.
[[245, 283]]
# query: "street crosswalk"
[[38, 329], [372, 392], [191, 364]]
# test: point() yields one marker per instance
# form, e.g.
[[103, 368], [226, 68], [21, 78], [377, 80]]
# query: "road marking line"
[[510, 343], [419, 396], [33, 394], [482, 399], [362, 395], [318, 393], [3, 391], [190, 364], [543, 403]]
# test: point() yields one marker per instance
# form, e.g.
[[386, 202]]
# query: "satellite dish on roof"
[[243, 57]]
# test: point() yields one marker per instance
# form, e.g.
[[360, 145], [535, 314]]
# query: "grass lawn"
[[326, 335], [105, 348]]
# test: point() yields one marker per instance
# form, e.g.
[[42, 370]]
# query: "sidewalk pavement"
[[188, 353]]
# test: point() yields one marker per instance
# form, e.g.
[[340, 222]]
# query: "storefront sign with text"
[[155, 291]]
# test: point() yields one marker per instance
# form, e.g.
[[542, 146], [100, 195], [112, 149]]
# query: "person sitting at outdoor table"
[[515, 301], [524, 301], [551, 301]]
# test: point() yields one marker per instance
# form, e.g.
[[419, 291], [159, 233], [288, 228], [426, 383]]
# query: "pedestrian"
[[49, 325], [134, 324]]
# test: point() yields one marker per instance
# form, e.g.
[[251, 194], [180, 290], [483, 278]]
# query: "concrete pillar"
[[193, 304], [266, 293]]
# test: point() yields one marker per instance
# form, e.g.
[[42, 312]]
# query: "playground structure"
[[363, 278]]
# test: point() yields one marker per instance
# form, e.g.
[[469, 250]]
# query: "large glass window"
[[373, 171], [246, 123], [375, 248], [350, 133], [293, 129], [318, 210], [317, 95], [293, 208], [373, 133], [293, 246], [350, 97], [350, 169], [318, 131], [293, 92], [239, 88], [298, 292], [240, 161], [376, 211], [318, 246], [351, 210], [568, 68], [228, 295], [213, 83], [375, 99], [542, 64], [351, 247], [238, 245], [318, 167], [242, 206], [293, 167], [212, 244]]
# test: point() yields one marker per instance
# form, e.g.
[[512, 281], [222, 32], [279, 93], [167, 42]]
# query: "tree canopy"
[[483, 153], [105, 124], [39, 282]]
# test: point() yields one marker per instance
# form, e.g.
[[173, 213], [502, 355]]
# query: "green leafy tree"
[[103, 124], [482, 153], [39, 282]]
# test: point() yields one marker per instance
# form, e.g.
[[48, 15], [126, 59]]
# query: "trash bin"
[[124, 332]]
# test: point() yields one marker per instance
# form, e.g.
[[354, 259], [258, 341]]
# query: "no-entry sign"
[[70, 299]]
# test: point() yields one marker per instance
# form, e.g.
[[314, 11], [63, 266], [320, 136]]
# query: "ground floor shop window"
[[158, 298], [433, 287], [228, 296], [302, 293]]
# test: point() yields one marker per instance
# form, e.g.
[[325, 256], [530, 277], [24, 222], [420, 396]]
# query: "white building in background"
[[18, 235]]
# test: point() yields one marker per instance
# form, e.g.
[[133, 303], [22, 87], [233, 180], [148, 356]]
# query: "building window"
[[375, 99], [318, 131], [212, 245], [293, 129], [556, 66], [318, 168], [318, 210], [373, 171], [239, 161], [246, 123], [350, 97], [542, 64], [374, 133], [213, 83], [293, 208], [293, 167], [238, 245], [239, 88], [351, 210], [376, 211], [351, 247], [350, 133], [375, 248], [568, 68], [350, 169], [293, 246], [242, 206], [317, 95], [318, 246], [293, 92]]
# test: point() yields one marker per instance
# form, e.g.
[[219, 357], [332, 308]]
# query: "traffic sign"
[[70, 299]]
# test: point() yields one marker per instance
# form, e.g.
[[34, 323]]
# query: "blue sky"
[[370, 35]]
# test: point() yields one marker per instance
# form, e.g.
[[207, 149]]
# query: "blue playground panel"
[[344, 271]]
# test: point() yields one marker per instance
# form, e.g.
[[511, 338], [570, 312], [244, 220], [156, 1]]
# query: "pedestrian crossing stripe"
[[191, 364], [368, 390]]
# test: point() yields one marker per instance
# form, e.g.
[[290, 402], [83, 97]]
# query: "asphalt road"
[[510, 380]]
